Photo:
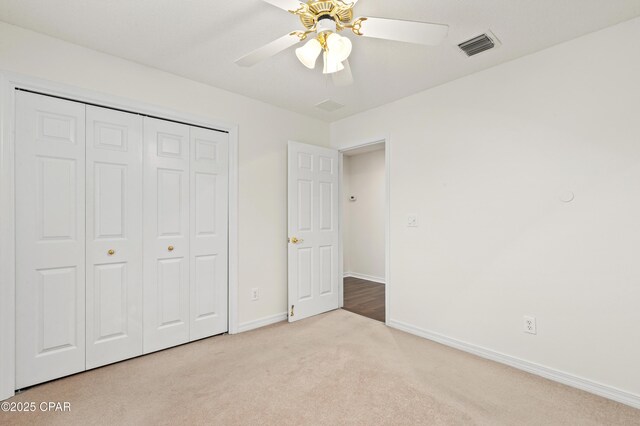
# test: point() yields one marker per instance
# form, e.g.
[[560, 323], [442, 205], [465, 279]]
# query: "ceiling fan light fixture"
[[324, 19], [308, 54], [339, 46], [332, 64]]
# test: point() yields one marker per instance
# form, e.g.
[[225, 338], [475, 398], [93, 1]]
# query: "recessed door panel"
[[206, 149], [114, 237], [57, 127], [170, 197], [170, 287], [110, 198], [110, 302], [205, 204], [50, 238], [205, 288], [305, 161], [57, 309], [326, 206], [326, 165], [56, 190], [305, 273], [166, 234], [326, 270], [208, 253], [305, 205], [111, 136], [170, 145]]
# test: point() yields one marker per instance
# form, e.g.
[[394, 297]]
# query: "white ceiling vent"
[[329, 105], [478, 44]]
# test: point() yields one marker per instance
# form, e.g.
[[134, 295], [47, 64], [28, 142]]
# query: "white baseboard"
[[364, 277], [549, 373], [262, 322]]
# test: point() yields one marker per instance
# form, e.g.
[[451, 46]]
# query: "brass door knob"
[[111, 252], [170, 248], [294, 240]]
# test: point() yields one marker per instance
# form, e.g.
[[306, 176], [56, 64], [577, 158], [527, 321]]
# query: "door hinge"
[[292, 306]]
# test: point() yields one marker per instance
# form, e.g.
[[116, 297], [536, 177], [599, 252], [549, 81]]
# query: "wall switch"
[[530, 325], [254, 294], [412, 221]]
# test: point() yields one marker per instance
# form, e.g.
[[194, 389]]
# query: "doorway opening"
[[364, 217]]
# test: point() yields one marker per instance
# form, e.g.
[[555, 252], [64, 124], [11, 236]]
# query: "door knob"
[[111, 252], [170, 248], [294, 240]]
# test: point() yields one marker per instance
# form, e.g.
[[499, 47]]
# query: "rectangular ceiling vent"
[[329, 105], [477, 45]]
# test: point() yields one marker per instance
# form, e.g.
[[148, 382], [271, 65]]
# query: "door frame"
[[9, 82], [386, 140]]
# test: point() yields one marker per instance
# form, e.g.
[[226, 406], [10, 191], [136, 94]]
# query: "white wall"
[[363, 227], [264, 132], [483, 160]]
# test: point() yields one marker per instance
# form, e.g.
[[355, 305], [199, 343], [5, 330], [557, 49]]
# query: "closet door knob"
[[170, 248], [111, 252]]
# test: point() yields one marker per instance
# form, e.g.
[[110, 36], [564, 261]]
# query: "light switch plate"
[[412, 221]]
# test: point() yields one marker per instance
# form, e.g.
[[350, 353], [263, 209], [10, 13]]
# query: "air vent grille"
[[329, 105], [477, 44]]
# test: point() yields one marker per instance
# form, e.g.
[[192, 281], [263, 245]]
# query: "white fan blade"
[[343, 78], [268, 50], [285, 4], [406, 31]]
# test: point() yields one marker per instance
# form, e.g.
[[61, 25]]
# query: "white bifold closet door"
[[114, 236], [209, 207], [166, 234], [50, 243], [185, 233], [121, 236]]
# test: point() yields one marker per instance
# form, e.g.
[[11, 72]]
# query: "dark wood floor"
[[364, 298]]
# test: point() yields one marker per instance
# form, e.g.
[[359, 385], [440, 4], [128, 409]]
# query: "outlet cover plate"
[[530, 325]]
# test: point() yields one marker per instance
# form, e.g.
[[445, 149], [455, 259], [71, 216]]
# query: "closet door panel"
[[114, 236], [50, 238], [166, 234], [209, 207]]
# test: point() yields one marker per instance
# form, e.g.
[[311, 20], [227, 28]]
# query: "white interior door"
[[50, 238], [314, 275], [209, 229], [114, 236], [166, 234]]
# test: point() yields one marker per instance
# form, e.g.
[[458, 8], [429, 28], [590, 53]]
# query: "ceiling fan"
[[323, 20]]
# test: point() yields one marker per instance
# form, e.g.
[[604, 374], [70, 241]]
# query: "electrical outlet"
[[412, 221], [254, 294], [530, 325]]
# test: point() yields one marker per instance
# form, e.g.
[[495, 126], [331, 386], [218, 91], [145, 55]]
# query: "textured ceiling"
[[201, 39]]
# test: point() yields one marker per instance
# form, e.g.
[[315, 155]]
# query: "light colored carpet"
[[336, 368]]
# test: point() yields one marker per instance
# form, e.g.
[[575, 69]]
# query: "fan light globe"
[[331, 63], [308, 54], [339, 46]]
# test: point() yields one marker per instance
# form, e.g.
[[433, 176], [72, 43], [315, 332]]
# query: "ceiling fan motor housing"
[[314, 12], [326, 24]]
